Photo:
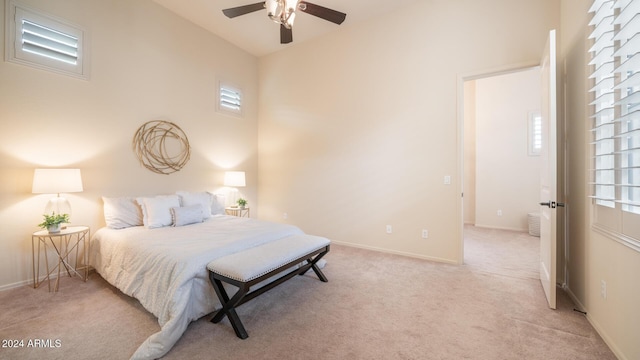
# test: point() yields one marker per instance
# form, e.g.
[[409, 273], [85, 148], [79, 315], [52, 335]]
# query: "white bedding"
[[165, 268]]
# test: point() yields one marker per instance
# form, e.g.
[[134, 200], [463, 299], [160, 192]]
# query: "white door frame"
[[474, 75]]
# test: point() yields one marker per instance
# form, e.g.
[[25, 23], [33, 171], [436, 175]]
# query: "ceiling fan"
[[283, 12]]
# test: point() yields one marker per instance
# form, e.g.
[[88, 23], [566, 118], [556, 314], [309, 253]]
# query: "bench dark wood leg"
[[243, 295], [228, 307], [312, 264], [237, 324], [319, 273]]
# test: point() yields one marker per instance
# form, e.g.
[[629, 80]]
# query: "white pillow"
[[121, 212], [203, 199], [156, 211], [186, 215], [217, 204]]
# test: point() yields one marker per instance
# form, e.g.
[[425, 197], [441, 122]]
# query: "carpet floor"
[[375, 306]]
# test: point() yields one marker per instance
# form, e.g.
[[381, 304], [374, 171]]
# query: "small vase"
[[53, 228]]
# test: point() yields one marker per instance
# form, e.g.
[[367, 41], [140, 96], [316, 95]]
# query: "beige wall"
[[359, 128], [592, 257], [146, 64], [507, 177]]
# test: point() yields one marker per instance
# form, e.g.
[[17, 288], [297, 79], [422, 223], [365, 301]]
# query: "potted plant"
[[242, 203], [52, 222]]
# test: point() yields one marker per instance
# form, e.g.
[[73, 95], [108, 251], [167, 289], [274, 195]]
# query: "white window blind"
[[603, 126], [627, 74], [230, 99], [535, 133], [615, 75], [41, 41]]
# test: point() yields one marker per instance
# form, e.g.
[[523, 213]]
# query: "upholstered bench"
[[253, 266]]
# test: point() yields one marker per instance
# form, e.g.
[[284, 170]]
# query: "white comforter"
[[165, 268]]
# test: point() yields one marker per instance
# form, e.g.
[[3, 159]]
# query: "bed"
[[164, 267]]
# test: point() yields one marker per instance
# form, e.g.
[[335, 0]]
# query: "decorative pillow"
[[217, 204], [203, 199], [121, 212], [186, 215], [156, 211]]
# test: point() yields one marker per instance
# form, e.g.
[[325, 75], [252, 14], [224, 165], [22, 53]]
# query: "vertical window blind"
[[535, 133], [615, 62]]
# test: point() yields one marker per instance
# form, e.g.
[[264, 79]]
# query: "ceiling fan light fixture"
[[289, 20], [274, 9], [291, 5], [282, 11]]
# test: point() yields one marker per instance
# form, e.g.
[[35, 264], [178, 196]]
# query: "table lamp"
[[57, 181], [234, 179]]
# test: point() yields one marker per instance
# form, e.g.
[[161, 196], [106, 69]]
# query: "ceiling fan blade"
[[242, 10], [322, 12], [286, 35]]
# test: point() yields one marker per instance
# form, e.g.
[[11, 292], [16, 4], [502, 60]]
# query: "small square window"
[[229, 99], [40, 41]]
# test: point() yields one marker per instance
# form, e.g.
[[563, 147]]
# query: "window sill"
[[617, 237]]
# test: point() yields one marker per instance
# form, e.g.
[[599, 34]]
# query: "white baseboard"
[[387, 251], [596, 326], [29, 282], [500, 228], [17, 285]]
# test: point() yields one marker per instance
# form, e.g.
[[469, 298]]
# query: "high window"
[[41, 41], [229, 99]]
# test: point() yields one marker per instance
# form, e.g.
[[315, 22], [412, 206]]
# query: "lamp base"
[[58, 205]]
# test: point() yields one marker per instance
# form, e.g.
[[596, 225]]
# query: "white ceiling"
[[258, 35]]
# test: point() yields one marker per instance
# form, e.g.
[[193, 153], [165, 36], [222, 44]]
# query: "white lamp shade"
[[234, 178], [56, 181]]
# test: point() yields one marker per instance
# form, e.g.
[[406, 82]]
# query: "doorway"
[[501, 166]]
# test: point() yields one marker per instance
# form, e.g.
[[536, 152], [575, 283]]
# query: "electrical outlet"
[[389, 229], [425, 233], [603, 289], [499, 212], [285, 216]]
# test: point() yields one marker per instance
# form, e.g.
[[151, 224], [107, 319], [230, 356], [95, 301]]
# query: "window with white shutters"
[[615, 94], [229, 99], [535, 133], [39, 40]]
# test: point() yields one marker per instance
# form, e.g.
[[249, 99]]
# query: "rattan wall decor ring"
[[151, 145]]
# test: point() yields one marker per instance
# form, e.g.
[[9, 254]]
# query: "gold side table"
[[64, 243], [236, 211]]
